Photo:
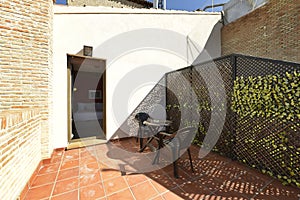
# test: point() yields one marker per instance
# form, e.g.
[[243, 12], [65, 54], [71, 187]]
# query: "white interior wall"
[[135, 43]]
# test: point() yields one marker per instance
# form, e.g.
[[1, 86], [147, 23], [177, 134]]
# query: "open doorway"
[[86, 98]]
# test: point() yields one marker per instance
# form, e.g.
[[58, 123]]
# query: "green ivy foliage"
[[267, 96], [270, 97]]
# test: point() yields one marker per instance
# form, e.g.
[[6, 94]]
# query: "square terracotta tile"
[[73, 195], [49, 168], [144, 191], [83, 149], [114, 185], [160, 188], [102, 165], [88, 168], [88, 159], [276, 190], [243, 186], [231, 195], [206, 181], [44, 179], [68, 173], [86, 153], [251, 182], [46, 161], [124, 195], [71, 154], [133, 179], [72, 151], [38, 193], [89, 179], [69, 164], [92, 191], [67, 157], [65, 186], [158, 198], [174, 195], [164, 180], [56, 159], [182, 177], [193, 190], [58, 152], [228, 171], [107, 174]]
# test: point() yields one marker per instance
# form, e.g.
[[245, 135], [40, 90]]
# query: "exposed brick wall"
[[20, 146], [25, 90], [271, 31], [111, 3]]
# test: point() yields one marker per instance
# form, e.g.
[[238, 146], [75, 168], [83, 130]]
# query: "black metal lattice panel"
[[268, 143], [213, 81], [252, 66], [194, 96], [179, 100]]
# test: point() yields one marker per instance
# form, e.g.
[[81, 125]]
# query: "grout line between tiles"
[[79, 173], [262, 188], [55, 180], [102, 181], [118, 192], [129, 188], [154, 187], [63, 193]]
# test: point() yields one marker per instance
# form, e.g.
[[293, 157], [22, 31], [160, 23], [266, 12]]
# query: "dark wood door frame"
[[73, 64]]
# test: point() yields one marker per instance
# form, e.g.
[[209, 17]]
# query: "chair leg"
[[156, 158], [190, 157], [138, 134], [147, 143], [175, 169]]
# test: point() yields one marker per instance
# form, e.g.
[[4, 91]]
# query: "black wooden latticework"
[[200, 95], [256, 141]]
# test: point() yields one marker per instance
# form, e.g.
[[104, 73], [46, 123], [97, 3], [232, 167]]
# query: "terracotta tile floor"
[[77, 174]]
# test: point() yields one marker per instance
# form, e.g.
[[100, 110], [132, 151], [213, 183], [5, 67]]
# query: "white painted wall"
[[136, 43]]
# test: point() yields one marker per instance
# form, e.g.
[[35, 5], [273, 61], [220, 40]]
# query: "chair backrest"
[[141, 117], [186, 136]]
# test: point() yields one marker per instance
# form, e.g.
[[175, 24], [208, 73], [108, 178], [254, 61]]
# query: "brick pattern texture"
[[25, 90], [271, 31], [110, 3]]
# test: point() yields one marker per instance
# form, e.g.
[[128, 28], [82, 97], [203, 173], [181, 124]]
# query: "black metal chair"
[[176, 143], [143, 130]]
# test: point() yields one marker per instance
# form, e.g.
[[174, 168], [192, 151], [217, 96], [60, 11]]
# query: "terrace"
[[245, 109], [242, 163]]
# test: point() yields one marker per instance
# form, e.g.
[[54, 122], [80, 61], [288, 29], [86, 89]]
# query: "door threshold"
[[84, 142]]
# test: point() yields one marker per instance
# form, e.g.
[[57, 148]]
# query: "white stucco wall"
[[135, 43]]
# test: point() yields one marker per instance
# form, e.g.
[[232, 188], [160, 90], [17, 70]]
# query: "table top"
[[157, 122]]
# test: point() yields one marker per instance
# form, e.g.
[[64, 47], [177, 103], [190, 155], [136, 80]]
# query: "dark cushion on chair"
[[141, 117]]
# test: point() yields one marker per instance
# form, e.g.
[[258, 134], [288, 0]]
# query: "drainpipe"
[[211, 6], [160, 4]]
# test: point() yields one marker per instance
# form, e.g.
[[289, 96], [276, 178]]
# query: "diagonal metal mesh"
[[266, 143], [270, 144], [193, 96]]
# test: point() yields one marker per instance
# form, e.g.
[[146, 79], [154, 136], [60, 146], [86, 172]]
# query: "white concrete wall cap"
[[58, 9]]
